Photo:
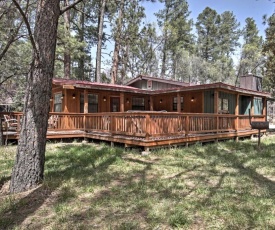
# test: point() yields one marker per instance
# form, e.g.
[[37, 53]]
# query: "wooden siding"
[[209, 101], [231, 101]]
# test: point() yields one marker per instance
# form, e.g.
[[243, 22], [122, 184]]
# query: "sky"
[[242, 9]]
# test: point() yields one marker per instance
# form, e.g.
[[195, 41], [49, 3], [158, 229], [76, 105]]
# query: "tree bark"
[[1, 132], [28, 171], [99, 42], [117, 44], [67, 53]]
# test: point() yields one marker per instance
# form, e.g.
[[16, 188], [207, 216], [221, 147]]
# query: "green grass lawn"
[[225, 185]]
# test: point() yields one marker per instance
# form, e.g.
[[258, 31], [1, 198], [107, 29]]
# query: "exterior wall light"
[[73, 96], [104, 98]]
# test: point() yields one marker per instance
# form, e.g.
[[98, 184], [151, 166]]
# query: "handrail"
[[147, 124]]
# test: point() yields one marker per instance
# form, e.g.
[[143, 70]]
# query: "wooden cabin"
[[152, 112], [153, 94]]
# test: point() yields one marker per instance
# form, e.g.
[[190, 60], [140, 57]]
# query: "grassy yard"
[[226, 185]]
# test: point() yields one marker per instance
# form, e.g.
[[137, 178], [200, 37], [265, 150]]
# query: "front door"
[[115, 104]]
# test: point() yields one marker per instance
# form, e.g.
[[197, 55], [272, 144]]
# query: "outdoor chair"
[[11, 123], [52, 122]]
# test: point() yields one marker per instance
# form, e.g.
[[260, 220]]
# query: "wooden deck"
[[146, 129]]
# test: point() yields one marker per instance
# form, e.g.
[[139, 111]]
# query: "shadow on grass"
[[156, 191], [69, 162], [242, 161]]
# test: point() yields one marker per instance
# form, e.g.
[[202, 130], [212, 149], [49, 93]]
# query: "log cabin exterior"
[[151, 112]]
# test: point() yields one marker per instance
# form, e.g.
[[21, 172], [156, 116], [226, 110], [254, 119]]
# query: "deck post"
[[217, 123], [112, 125], [216, 101], [187, 125], [148, 126], [151, 103], [66, 108], [216, 108], [237, 113], [85, 108], [122, 105]]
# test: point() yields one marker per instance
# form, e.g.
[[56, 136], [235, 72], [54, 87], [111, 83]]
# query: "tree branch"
[[27, 25], [10, 41], [6, 78], [62, 11]]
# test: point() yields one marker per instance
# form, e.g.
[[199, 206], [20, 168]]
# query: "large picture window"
[[175, 103], [57, 102], [138, 103], [92, 103]]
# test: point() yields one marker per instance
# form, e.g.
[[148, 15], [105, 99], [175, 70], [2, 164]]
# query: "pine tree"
[[176, 35], [28, 170], [251, 52], [208, 31], [269, 52], [218, 37]]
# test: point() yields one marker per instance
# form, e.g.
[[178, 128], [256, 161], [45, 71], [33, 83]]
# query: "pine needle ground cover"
[[225, 185]]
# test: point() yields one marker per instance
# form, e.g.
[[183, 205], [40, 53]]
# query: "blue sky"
[[242, 9]]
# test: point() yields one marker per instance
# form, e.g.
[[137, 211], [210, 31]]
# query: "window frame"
[[175, 103], [136, 105], [58, 102]]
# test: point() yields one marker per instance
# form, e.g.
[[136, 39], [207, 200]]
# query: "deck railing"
[[146, 124]]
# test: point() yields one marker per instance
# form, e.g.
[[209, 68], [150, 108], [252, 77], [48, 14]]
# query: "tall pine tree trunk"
[[67, 53], [28, 170], [117, 44], [81, 62], [99, 42]]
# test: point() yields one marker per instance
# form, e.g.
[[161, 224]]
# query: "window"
[[138, 103], [92, 103], [57, 102], [258, 106], [245, 105], [175, 103], [223, 105], [115, 104]]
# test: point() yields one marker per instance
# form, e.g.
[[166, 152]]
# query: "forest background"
[[113, 41]]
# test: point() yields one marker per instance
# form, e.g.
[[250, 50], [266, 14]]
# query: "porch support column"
[[237, 112], [264, 107], [85, 101], [216, 101], [122, 106], [216, 107], [151, 103], [178, 103], [252, 106], [65, 99], [85, 110], [202, 104]]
